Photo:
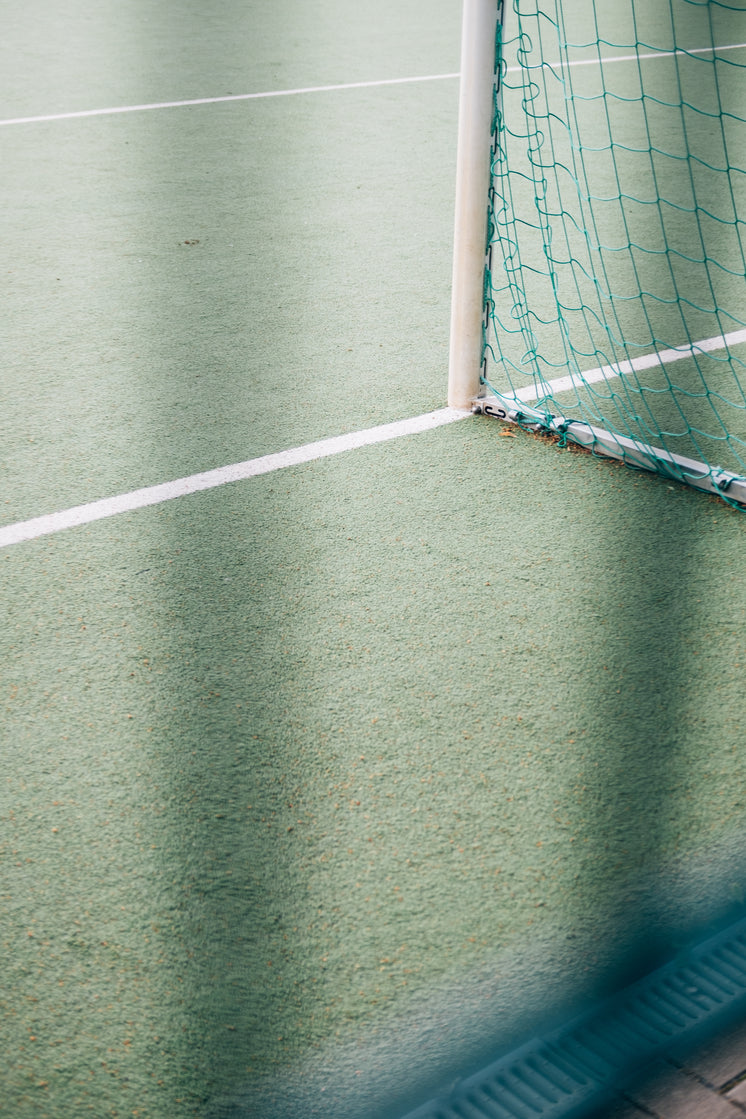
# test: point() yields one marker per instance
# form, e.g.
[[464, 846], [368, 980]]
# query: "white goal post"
[[475, 120]]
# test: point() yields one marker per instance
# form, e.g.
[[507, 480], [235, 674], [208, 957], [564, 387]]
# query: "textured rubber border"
[[569, 1071]]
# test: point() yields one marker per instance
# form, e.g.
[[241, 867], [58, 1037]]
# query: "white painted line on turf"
[[606, 372], [167, 491], [324, 448], [112, 111], [634, 57], [227, 97]]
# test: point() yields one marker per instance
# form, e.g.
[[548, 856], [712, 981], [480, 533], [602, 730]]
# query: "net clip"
[[491, 406], [721, 479]]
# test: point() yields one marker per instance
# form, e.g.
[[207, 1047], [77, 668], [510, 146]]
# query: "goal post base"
[[632, 452]]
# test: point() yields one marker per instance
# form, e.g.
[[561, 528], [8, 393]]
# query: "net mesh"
[[614, 295]]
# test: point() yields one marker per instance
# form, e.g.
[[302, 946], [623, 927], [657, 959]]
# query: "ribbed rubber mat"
[[561, 1075]]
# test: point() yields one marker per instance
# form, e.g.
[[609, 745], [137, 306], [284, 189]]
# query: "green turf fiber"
[[306, 758], [134, 52], [287, 318], [319, 786]]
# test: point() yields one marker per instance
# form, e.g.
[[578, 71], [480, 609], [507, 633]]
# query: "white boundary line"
[[348, 85], [634, 57], [606, 372], [227, 97], [167, 491], [324, 448]]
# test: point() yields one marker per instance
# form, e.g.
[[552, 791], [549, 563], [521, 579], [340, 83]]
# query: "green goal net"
[[615, 290]]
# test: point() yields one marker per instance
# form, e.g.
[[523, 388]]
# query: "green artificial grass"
[[295, 760]]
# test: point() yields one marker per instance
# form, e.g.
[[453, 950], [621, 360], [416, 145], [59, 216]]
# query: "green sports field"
[[322, 786]]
